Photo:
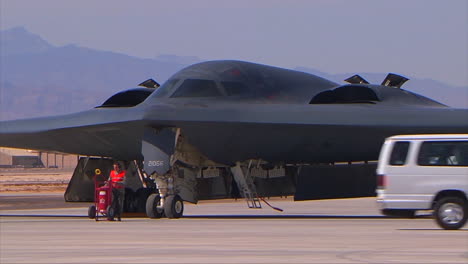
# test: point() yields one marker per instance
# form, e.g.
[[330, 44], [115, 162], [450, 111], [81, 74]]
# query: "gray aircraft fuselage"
[[233, 111]]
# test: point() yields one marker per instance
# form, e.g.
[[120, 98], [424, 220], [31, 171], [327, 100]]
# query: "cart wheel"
[[110, 213], [153, 206], [173, 206], [92, 212]]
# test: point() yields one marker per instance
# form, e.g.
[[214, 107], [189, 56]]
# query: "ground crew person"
[[117, 177]]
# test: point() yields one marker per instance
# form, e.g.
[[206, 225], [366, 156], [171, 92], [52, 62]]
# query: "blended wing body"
[[224, 129], [233, 111], [308, 134]]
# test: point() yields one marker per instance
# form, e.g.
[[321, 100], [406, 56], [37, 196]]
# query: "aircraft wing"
[[98, 132]]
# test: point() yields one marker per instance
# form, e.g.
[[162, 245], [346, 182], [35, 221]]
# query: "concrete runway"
[[328, 231]]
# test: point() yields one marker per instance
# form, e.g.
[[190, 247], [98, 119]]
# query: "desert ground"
[[21, 180], [327, 231]]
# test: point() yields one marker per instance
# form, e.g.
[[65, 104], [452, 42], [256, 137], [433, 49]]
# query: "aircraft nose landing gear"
[[165, 202], [173, 206], [154, 207]]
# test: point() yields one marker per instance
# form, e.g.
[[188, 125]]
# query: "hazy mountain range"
[[39, 79]]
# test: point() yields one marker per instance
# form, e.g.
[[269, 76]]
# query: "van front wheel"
[[451, 213]]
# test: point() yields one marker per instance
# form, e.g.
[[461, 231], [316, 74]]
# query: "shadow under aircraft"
[[224, 129]]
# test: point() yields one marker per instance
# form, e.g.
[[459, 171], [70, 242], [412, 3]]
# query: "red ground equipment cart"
[[103, 206]]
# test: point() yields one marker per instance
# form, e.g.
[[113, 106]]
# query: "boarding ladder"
[[246, 185]]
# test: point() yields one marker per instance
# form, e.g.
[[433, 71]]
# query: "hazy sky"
[[420, 38]]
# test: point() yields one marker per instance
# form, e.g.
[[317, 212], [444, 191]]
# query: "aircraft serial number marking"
[[155, 163]]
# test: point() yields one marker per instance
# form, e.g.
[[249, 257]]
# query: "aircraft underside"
[[216, 161], [177, 172]]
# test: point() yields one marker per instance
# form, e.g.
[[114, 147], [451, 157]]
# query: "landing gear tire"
[[92, 212], [451, 213], [110, 213], [173, 206], [153, 206]]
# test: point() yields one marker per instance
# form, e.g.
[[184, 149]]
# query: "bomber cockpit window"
[[166, 88], [399, 153], [235, 88], [197, 88]]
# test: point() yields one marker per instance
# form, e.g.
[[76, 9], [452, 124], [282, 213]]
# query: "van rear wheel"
[[451, 213]]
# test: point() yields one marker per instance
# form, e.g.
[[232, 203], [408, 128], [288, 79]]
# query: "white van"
[[425, 172]]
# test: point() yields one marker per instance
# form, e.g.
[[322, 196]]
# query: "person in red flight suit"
[[117, 177]]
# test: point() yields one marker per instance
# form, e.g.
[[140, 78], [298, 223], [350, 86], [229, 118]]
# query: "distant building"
[[22, 158]]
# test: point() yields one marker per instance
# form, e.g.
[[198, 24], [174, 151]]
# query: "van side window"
[[443, 153], [399, 153]]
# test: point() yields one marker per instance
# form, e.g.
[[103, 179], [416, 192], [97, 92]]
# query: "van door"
[[397, 168], [443, 165]]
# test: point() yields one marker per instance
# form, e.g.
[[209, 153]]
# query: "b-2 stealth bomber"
[[238, 122]]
